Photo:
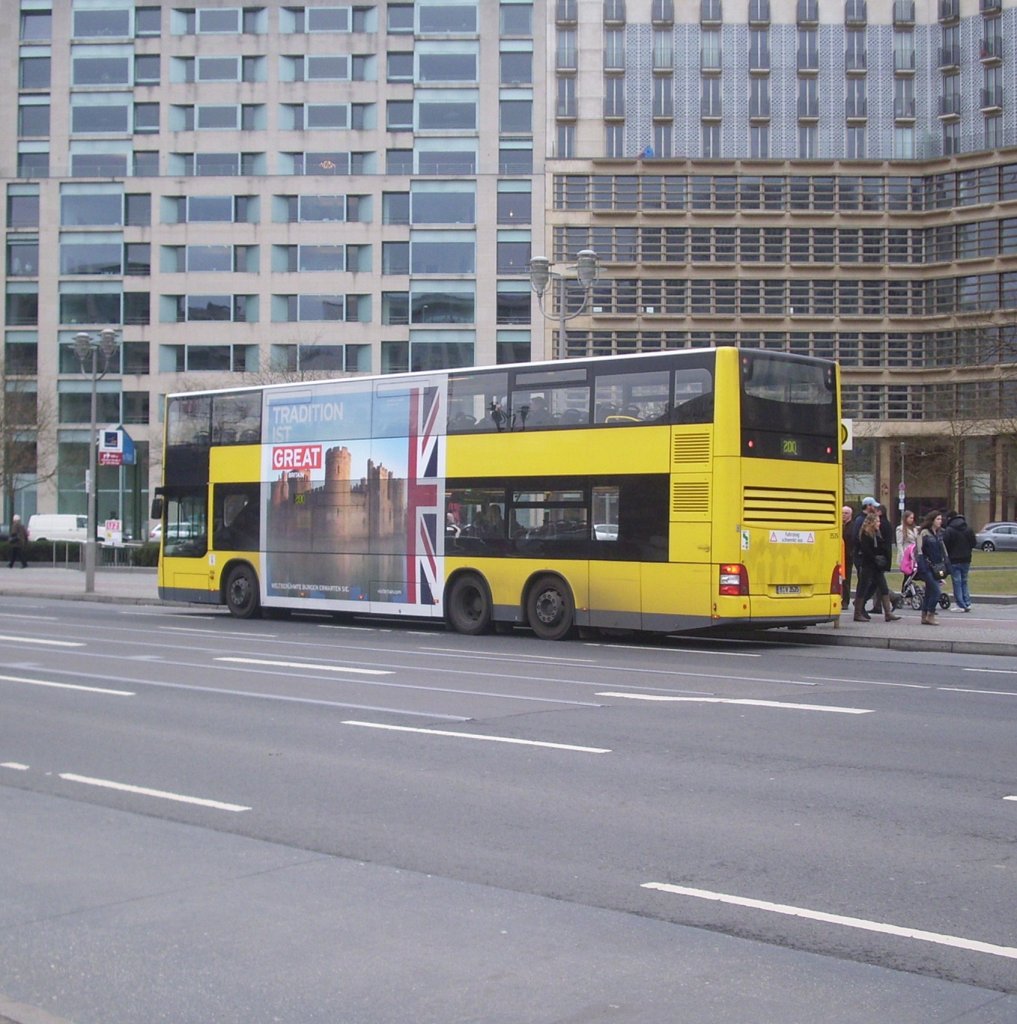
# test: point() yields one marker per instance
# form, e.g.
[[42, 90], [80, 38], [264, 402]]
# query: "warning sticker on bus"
[[792, 537]]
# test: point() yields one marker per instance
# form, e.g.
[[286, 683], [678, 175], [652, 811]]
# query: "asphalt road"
[[306, 820]]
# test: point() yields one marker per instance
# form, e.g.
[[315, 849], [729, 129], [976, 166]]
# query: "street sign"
[[116, 448]]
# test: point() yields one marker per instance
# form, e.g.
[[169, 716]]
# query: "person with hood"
[[871, 506], [960, 541]]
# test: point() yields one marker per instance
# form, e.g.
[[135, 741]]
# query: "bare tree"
[[27, 438]]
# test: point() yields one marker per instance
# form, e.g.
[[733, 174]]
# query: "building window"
[[93, 117], [36, 26], [516, 116], [93, 24], [34, 73], [994, 131], [904, 142], [855, 142], [442, 66], [614, 49], [107, 70], [565, 141], [33, 120], [448, 18], [808, 140], [614, 140], [711, 140], [516, 68], [399, 115], [759, 141], [759, 49]]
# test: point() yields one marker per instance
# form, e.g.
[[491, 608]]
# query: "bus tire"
[[242, 597], [469, 605], [550, 608]]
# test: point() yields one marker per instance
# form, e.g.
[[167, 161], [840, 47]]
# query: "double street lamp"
[[585, 271], [87, 347]]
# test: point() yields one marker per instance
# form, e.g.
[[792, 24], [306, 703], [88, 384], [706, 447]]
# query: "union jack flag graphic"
[[422, 512]]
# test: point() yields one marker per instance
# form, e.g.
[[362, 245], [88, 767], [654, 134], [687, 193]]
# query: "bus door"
[[615, 571]]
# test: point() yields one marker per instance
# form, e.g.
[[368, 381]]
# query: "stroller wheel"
[[944, 601]]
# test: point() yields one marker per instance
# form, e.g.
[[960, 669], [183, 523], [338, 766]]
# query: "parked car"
[[1001, 536]]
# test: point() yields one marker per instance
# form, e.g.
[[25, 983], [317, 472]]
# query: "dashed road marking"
[[957, 942]]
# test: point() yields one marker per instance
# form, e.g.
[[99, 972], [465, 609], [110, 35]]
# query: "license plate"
[[788, 588]]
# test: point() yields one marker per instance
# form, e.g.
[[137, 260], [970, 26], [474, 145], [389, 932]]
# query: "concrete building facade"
[[262, 191]]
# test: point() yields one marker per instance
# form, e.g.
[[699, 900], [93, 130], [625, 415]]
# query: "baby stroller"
[[912, 592]]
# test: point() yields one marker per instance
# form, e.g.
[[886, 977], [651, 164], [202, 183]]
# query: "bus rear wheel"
[[242, 593], [469, 606], [550, 609]]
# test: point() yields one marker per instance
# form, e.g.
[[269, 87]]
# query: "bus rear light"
[[835, 579], [734, 581]]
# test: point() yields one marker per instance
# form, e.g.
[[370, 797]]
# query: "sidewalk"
[[990, 627], [130, 586]]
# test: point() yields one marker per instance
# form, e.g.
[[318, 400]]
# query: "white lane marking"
[[675, 650], [66, 686], [997, 671], [19, 767], [158, 793], [479, 736], [209, 632], [288, 699], [873, 682], [309, 665], [991, 693], [973, 945], [1010, 798], [740, 700], [31, 618], [42, 643], [539, 659], [439, 689]]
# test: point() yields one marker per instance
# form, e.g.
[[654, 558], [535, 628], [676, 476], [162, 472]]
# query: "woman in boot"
[[933, 564], [874, 556]]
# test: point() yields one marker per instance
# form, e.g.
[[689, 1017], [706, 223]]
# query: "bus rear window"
[[789, 408]]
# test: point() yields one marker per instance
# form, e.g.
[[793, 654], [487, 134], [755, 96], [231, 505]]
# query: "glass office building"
[[264, 191]]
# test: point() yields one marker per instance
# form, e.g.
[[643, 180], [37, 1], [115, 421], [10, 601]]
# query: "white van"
[[58, 527]]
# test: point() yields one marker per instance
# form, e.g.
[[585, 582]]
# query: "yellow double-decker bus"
[[657, 492]]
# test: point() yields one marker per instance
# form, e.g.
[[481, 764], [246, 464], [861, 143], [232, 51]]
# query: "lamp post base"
[[90, 566]]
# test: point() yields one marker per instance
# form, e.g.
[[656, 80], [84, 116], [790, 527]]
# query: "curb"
[[933, 644]]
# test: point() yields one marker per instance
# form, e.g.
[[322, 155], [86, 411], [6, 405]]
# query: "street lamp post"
[[585, 270], [85, 347], [901, 492]]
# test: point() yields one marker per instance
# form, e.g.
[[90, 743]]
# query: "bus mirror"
[[156, 508]]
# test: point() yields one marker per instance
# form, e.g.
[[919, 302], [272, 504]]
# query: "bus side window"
[[236, 522], [693, 396], [476, 402]]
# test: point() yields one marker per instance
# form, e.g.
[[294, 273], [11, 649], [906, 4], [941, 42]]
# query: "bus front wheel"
[[550, 609], [242, 593], [469, 607]]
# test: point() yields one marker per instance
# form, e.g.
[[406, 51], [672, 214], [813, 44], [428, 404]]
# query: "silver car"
[[1002, 536]]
